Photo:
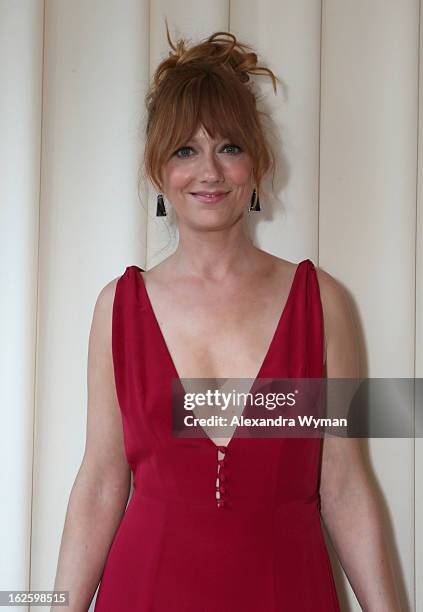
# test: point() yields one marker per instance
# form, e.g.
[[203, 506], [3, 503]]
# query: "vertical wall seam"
[[149, 79], [34, 404], [416, 294], [319, 148]]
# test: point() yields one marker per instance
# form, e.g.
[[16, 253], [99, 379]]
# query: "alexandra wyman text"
[[301, 420]]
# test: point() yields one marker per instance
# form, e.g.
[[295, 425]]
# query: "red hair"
[[205, 85]]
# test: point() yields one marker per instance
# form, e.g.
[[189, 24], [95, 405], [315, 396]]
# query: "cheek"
[[240, 173], [176, 177]]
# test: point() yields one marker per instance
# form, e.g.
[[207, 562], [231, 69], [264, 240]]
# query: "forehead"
[[200, 135]]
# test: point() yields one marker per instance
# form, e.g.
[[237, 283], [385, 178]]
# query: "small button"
[[220, 503], [221, 490], [222, 449], [222, 477], [221, 462]]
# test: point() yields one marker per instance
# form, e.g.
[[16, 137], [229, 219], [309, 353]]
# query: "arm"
[[101, 488], [349, 507]]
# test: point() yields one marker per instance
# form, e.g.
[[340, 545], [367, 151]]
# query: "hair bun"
[[221, 49]]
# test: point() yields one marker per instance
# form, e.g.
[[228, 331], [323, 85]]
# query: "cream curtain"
[[347, 194]]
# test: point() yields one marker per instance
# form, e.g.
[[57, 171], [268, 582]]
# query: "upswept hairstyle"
[[206, 84]]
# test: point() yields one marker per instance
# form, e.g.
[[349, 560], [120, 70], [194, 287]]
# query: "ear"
[[158, 187]]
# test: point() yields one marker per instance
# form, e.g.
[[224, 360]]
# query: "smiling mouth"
[[210, 197]]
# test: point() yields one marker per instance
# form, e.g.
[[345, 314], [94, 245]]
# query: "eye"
[[233, 146], [182, 149]]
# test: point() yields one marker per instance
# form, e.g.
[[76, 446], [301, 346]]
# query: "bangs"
[[209, 104], [207, 101]]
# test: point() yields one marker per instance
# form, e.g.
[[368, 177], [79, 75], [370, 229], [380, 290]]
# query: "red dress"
[[176, 549]]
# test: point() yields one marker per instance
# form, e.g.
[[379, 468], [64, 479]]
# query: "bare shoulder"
[[335, 302], [105, 298], [333, 295], [340, 328], [101, 324]]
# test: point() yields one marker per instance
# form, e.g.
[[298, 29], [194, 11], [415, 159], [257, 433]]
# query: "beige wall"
[[347, 194]]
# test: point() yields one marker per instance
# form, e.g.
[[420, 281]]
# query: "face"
[[203, 167]]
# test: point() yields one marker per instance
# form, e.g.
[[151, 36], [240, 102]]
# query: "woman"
[[217, 307]]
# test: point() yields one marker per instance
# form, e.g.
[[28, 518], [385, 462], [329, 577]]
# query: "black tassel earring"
[[160, 210], [255, 202]]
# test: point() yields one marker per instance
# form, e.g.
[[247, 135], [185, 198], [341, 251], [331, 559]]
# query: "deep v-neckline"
[[266, 356]]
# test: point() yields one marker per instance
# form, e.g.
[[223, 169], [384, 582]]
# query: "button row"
[[221, 477]]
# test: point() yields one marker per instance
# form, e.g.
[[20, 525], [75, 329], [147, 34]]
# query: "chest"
[[219, 336]]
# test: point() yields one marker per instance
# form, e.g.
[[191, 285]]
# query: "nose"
[[211, 170]]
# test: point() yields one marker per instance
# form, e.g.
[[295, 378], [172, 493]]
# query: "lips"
[[210, 196], [209, 193]]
